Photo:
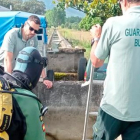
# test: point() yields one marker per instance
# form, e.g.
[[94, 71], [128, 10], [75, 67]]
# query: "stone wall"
[[67, 104], [66, 60]]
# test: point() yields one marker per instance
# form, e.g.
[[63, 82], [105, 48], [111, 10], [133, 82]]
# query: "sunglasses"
[[32, 29]]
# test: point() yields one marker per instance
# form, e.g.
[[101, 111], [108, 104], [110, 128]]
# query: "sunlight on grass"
[[78, 38]]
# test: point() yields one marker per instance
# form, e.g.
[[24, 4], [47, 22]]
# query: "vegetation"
[[55, 17], [32, 6], [78, 38], [97, 11], [94, 8], [65, 76], [59, 76], [87, 22], [73, 19], [72, 23]]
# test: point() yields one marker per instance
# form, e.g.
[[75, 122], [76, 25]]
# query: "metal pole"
[[88, 101]]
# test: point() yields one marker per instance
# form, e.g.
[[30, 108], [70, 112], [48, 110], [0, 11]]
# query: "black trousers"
[[107, 127]]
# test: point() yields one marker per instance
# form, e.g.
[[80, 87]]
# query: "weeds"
[[78, 38]]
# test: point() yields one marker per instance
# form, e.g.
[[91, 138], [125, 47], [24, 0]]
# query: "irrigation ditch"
[[67, 99], [63, 57]]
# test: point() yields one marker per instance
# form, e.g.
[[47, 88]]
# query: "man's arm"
[[48, 83], [96, 33], [8, 57], [95, 61]]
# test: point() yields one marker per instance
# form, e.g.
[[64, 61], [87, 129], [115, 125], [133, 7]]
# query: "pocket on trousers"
[[98, 128], [98, 132]]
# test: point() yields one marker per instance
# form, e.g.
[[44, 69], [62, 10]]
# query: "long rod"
[[88, 101]]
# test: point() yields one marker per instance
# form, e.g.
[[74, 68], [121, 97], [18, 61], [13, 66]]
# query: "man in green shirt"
[[119, 112], [18, 38]]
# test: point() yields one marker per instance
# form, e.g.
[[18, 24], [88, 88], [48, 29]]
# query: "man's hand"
[[48, 83], [96, 31]]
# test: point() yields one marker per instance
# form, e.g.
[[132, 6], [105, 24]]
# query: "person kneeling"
[[21, 112]]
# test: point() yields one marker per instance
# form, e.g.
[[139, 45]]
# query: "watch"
[[93, 40], [96, 39]]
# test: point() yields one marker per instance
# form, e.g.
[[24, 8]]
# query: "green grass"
[[76, 41], [85, 45]]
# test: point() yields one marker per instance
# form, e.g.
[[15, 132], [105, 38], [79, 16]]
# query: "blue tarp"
[[10, 19]]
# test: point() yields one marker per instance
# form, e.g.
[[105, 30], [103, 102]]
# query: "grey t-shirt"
[[120, 40], [14, 43]]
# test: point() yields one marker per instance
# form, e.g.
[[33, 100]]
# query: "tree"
[[73, 19], [55, 17], [94, 8], [72, 22], [17, 5], [87, 22], [32, 6], [75, 26], [5, 3], [50, 16]]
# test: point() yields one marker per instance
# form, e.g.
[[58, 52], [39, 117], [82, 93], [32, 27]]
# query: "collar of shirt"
[[20, 34], [134, 9]]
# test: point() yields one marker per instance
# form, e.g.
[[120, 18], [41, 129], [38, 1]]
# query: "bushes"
[[87, 22]]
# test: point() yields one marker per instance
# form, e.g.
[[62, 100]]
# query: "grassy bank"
[[78, 38]]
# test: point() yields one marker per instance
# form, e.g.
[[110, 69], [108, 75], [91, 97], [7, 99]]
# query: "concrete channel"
[[67, 102], [67, 99], [62, 56]]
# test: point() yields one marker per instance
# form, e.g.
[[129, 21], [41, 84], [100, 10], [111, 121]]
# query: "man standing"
[[119, 111], [18, 38]]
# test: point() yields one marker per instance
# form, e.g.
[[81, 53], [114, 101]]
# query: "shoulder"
[[112, 24], [113, 20], [116, 18], [12, 32]]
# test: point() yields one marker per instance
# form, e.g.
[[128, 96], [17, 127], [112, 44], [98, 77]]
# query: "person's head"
[[31, 26], [29, 65], [126, 4]]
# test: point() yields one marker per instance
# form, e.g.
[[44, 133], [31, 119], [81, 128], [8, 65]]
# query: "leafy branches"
[[55, 17], [32, 6], [94, 8]]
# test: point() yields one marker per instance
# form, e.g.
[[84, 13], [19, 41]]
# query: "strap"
[[6, 107], [24, 52], [30, 61], [14, 92], [28, 88]]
